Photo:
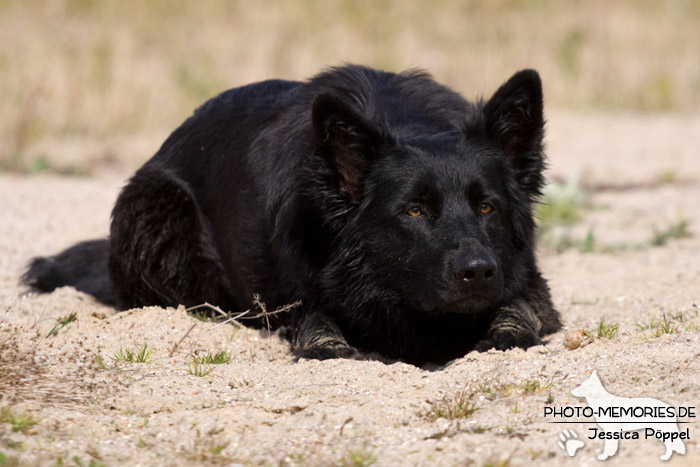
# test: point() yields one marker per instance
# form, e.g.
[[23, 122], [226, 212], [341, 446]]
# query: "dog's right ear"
[[347, 140], [514, 119]]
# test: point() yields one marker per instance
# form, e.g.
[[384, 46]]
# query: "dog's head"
[[440, 210]]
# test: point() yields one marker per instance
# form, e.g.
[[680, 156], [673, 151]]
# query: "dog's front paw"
[[327, 350], [508, 339]]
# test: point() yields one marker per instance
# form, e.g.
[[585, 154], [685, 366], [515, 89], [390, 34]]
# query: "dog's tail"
[[83, 266]]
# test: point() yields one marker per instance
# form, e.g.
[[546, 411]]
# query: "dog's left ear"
[[514, 119], [347, 141]]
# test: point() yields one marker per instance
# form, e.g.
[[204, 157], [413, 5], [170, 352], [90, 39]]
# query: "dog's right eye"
[[414, 211], [485, 208]]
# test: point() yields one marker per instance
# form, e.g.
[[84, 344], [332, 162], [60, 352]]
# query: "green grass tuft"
[[198, 369], [497, 462], [79, 462], [459, 407], [668, 177], [678, 229], [669, 324], [607, 330], [358, 457], [62, 323], [21, 422], [100, 362], [535, 386], [214, 359], [8, 461], [143, 355], [562, 204], [588, 244], [532, 386]]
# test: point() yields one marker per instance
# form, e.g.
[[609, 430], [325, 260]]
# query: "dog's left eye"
[[414, 211], [485, 208]]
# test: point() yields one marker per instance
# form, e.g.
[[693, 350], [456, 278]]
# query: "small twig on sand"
[[263, 309], [265, 314], [210, 306], [39, 319], [231, 319], [343, 426], [256, 300], [172, 351]]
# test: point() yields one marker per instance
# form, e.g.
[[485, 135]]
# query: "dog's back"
[[230, 117]]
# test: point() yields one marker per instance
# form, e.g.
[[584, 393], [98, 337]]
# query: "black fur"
[[399, 213], [82, 266]]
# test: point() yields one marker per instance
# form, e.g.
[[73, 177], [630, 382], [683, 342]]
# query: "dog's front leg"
[[514, 325], [524, 320], [316, 335]]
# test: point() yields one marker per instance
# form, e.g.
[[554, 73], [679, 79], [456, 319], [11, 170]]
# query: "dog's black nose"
[[473, 269]]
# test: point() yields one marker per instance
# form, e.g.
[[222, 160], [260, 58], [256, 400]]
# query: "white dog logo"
[[644, 411]]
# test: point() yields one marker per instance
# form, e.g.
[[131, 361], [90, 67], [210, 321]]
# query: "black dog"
[[399, 213]]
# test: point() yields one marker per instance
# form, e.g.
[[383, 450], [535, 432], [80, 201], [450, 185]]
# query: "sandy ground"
[[264, 408]]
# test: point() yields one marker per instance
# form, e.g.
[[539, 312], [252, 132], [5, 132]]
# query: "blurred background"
[[91, 84]]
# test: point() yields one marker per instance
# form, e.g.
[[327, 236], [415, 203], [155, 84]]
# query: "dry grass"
[[96, 73], [460, 406], [26, 376], [20, 421]]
